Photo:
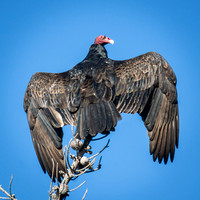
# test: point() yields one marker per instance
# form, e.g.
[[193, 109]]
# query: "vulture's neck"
[[96, 52]]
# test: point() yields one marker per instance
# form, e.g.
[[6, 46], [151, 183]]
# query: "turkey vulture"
[[91, 97]]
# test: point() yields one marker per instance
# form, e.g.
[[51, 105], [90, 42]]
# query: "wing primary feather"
[[164, 133], [163, 110], [57, 161], [38, 155], [155, 144], [154, 109], [168, 134], [35, 139], [47, 163], [168, 143], [158, 145], [163, 144], [177, 125], [152, 133], [173, 140]]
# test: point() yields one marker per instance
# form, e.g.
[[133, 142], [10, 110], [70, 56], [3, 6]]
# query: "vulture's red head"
[[102, 39]]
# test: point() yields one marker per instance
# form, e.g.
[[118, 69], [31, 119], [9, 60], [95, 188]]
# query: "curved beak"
[[111, 41]]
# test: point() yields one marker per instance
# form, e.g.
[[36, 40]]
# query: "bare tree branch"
[[10, 185], [79, 166], [101, 150], [85, 194], [77, 187], [9, 196], [50, 191]]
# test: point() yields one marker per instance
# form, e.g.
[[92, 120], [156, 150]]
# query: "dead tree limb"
[[10, 196], [80, 165]]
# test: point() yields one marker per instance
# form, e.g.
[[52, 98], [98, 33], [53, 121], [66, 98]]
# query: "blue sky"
[[53, 36]]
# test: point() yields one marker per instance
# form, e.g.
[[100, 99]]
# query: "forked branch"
[[79, 166], [9, 196]]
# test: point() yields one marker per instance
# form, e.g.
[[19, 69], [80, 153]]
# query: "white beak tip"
[[112, 42]]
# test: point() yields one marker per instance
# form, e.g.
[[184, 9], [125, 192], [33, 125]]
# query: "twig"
[[57, 174], [87, 166], [74, 169], [50, 191], [83, 172], [77, 187], [72, 127], [100, 137], [101, 150], [85, 194], [10, 185], [68, 155], [10, 197], [100, 160], [98, 167]]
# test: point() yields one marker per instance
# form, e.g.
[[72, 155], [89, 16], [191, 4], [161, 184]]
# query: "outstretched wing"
[[50, 103], [147, 85]]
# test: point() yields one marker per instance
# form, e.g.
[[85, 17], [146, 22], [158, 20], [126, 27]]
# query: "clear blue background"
[[53, 36]]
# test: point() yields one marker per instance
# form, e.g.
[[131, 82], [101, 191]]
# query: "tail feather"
[[108, 117], [96, 118], [103, 116]]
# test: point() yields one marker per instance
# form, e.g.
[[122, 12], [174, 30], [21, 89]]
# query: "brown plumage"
[[92, 95]]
